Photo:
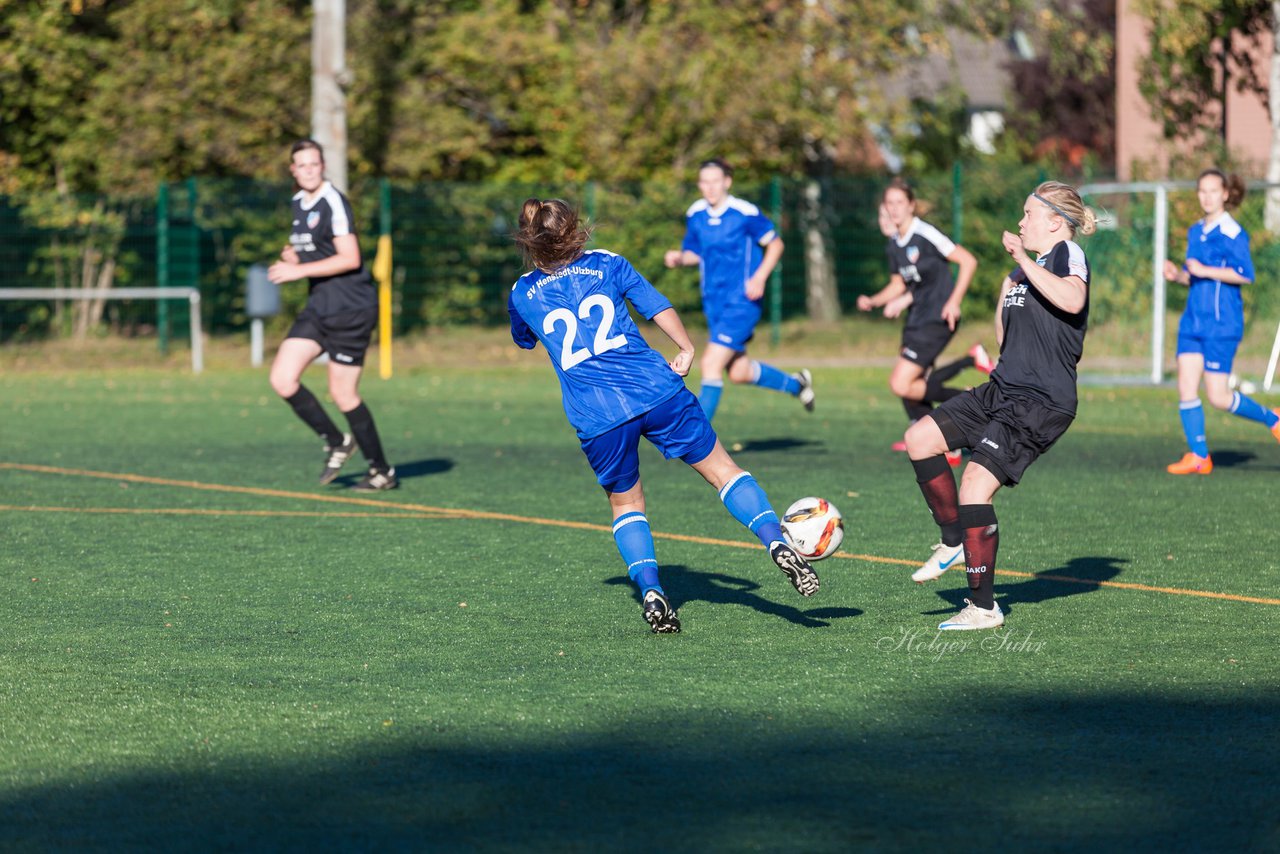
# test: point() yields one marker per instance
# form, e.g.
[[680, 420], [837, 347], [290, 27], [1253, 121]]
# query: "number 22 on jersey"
[[570, 357]]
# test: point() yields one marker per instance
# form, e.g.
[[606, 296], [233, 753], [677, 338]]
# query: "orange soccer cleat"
[[1191, 464], [1275, 430]]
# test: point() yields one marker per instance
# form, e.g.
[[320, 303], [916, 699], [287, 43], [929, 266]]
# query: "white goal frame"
[[191, 295]]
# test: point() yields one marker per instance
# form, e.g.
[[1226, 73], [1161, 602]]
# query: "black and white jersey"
[[1042, 343], [316, 222], [920, 258]]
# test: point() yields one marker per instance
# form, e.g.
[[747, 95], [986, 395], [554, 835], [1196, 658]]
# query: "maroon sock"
[[981, 540], [939, 487]]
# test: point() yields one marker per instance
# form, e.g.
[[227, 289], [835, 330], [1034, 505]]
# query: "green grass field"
[[205, 650]]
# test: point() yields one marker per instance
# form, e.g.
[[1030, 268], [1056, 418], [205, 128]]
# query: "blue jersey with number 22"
[[608, 373]]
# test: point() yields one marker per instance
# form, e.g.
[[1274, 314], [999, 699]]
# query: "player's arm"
[[521, 333], [346, 258], [894, 289], [681, 258], [669, 322], [968, 265], [1068, 293], [1004, 289], [1226, 275], [1174, 273], [772, 254]]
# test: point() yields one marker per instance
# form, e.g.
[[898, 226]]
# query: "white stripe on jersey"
[[1077, 264], [1226, 224], [338, 219], [941, 242], [734, 202], [767, 238]]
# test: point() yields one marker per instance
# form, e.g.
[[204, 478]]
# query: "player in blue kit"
[[616, 388], [736, 248], [1218, 264]]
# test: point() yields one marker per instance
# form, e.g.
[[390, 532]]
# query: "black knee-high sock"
[[939, 487], [366, 433], [934, 390], [306, 407], [981, 541], [916, 409]]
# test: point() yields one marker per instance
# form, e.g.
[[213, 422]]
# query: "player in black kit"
[[1024, 408], [341, 312], [920, 284]]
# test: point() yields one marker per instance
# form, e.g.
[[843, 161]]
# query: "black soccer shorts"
[[345, 336], [1005, 434], [923, 344]]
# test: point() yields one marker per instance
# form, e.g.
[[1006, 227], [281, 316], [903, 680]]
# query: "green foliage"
[[1180, 76]]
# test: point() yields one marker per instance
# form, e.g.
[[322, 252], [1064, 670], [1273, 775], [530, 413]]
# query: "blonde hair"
[[1065, 201], [550, 233]]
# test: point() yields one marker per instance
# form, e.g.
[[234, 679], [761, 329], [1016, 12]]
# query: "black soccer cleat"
[[378, 481], [796, 568], [336, 458], [659, 614]]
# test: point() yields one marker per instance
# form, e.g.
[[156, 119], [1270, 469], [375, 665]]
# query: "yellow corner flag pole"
[[382, 272]]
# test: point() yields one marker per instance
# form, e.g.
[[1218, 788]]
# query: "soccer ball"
[[813, 527]]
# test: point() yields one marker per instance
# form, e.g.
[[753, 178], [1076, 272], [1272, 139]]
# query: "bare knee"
[[345, 399], [924, 439], [740, 370], [284, 383], [899, 385], [1220, 399]]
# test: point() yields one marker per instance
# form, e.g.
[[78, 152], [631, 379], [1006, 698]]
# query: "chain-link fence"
[[455, 262]]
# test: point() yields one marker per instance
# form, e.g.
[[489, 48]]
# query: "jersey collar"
[[904, 239], [301, 196]]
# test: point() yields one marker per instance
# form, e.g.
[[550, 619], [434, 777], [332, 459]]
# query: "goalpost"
[[190, 294]]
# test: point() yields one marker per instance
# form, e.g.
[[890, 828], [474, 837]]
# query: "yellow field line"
[[456, 513], [193, 511]]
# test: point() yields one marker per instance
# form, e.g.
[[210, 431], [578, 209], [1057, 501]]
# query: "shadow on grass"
[[1080, 575], [758, 446], [1226, 459], [1076, 771], [684, 585], [405, 471]]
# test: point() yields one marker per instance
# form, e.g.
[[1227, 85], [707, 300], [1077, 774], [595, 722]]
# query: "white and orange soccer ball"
[[813, 527]]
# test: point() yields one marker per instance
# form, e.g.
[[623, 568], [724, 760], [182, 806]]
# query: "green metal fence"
[[455, 262]]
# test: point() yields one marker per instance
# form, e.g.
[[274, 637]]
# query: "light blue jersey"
[[729, 239], [1215, 309], [608, 373]]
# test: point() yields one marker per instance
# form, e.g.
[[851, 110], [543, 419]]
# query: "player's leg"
[[679, 430], [634, 538], [927, 446], [748, 371], [1191, 410], [348, 341], [614, 457], [293, 357], [1218, 360], [715, 361], [977, 518]]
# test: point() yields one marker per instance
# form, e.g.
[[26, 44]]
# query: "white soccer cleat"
[[973, 617], [944, 557], [806, 394]]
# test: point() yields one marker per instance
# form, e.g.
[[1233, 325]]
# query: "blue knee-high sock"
[[709, 397], [635, 543], [1247, 407], [1192, 412], [767, 376], [746, 502]]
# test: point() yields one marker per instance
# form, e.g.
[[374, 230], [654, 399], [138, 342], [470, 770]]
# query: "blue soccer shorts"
[[677, 427], [1219, 353], [734, 325]]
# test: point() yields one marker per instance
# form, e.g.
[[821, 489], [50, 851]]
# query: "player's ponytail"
[[550, 233], [1233, 184], [1065, 201]]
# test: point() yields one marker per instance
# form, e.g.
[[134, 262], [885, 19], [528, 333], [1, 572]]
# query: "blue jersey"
[[1215, 309], [729, 240], [608, 373]]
